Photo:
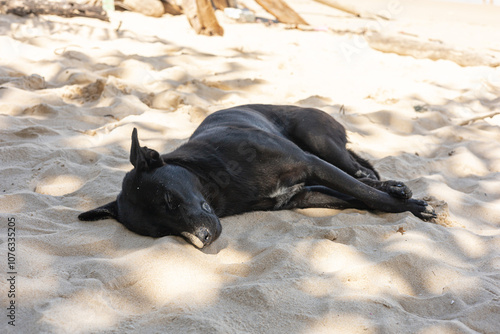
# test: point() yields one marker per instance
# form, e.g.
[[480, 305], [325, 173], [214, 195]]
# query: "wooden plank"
[[201, 17], [282, 12]]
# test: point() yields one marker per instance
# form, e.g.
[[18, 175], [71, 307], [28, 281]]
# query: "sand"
[[71, 91]]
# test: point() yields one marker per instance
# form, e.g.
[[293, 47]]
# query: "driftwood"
[[171, 7], [423, 49], [221, 4], [152, 8], [282, 12], [44, 7], [201, 17], [200, 13], [348, 7]]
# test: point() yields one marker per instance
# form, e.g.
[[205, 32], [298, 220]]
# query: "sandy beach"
[[72, 90]]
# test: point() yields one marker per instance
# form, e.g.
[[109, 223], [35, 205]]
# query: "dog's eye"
[[206, 207], [171, 202]]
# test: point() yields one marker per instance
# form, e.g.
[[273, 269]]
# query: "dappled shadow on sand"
[[280, 272]]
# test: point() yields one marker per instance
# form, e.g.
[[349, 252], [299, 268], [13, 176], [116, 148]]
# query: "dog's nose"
[[200, 238], [204, 235]]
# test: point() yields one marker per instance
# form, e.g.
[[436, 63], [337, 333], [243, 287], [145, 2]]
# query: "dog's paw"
[[422, 210], [366, 173], [397, 189]]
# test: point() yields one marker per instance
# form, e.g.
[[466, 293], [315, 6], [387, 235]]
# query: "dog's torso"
[[245, 159]]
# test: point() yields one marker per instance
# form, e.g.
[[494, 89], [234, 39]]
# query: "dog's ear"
[[109, 210], [143, 158]]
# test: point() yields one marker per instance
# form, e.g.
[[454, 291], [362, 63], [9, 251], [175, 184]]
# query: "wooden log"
[[44, 7], [221, 4], [201, 17], [348, 7], [282, 12], [171, 7], [152, 8]]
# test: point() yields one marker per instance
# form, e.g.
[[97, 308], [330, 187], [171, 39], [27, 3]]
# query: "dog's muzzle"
[[201, 237]]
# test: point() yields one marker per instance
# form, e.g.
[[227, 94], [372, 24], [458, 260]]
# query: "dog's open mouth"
[[193, 239]]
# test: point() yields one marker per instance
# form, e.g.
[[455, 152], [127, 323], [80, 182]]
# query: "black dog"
[[246, 158]]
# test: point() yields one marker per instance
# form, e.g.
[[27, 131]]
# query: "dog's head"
[[158, 199]]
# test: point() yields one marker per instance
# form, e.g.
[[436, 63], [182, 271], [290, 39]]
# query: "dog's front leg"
[[323, 197], [325, 174]]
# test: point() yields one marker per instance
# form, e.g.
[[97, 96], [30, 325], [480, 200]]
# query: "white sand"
[[72, 90]]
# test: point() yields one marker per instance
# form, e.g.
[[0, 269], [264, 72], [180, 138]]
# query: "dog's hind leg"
[[318, 133], [394, 188], [328, 142]]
